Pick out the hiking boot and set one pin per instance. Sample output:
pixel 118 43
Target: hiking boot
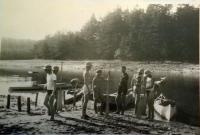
pixel 49 113
pixel 52 119
pixel 151 119
pixel 117 112
pixel 147 118
pixel 101 113
pixel 85 117
pixel 95 112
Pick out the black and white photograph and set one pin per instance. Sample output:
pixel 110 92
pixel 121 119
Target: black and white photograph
pixel 99 67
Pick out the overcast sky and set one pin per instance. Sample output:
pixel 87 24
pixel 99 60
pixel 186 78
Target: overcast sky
pixel 34 19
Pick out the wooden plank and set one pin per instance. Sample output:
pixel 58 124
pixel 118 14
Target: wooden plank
pixel 36 99
pixel 8 102
pixel 19 103
pixel 38 88
pixel 28 105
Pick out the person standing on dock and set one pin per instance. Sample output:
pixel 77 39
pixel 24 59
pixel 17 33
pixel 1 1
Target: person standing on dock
pixel 122 91
pixel 138 93
pixel 149 93
pixel 54 96
pixel 87 89
pixel 50 86
pixel 59 92
pixel 97 86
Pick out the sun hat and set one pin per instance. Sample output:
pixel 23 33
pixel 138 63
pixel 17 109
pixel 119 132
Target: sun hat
pixel 55 68
pixel 47 67
pixel 99 71
pixel 147 72
pixel 88 64
pixel 124 67
pixel 141 71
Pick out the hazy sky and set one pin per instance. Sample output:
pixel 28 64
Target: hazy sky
pixel 34 19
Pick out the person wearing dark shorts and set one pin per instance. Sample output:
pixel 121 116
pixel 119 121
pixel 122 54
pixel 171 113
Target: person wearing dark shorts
pixel 149 93
pixel 140 103
pixel 97 86
pixel 87 89
pixel 54 96
pixel 49 86
pixel 122 91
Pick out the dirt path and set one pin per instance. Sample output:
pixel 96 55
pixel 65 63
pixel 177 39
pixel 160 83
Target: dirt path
pixel 13 122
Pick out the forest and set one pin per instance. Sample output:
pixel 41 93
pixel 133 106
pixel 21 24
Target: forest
pixel 155 34
pixel 15 49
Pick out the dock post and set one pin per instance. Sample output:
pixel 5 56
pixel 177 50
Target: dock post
pixel 28 105
pixel 8 102
pixel 36 99
pixel 63 98
pixel 19 103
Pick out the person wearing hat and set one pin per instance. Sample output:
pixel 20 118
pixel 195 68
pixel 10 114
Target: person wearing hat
pixel 50 86
pixel 138 93
pixel 154 92
pixel 97 86
pixel 59 93
pixel 149 93
pixel 87 87
pixel 55 95
pixel 122 91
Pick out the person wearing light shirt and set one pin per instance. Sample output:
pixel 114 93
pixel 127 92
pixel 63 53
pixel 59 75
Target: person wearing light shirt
pixel 87 89
pixel 97 87
pixel 149 86
pixel 50 86
pixel 54 96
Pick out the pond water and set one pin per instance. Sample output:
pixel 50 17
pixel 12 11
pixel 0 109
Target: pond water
pixel 18 81
pixel 182 85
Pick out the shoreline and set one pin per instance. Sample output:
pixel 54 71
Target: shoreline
pixel 38 63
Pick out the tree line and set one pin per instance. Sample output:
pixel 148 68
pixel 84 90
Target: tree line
pixel 13 49
pixel 157 33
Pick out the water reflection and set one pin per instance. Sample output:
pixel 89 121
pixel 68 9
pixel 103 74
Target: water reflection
pixel 183 87
pixel 18 81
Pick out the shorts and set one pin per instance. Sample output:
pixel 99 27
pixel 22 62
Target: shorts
pixel 49 92
pixel 86 90
pixel 97 94
pixel 124 92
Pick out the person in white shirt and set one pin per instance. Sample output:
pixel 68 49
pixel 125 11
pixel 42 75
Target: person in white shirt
pixel 140 103
pixel 54 96
pixel 87 89
pixel 50 86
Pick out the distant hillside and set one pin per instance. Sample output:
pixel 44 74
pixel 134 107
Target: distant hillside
pixel 16 48
pixel 154 34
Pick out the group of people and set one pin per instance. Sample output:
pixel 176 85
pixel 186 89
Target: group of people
pixel 50 99
pixel 143 86
pixel 145 93
pixel 96 86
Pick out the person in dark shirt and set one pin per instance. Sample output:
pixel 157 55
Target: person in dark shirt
pixel 122 91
